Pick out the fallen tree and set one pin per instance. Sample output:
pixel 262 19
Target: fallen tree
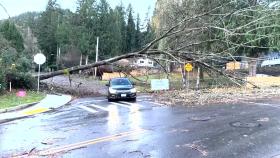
pixel 144 52
pixel 185 43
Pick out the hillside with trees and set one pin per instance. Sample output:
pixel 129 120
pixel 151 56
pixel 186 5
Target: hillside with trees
pixel 69 38
pixel 58 32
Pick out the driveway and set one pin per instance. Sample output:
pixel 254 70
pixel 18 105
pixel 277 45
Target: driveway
pixel 93 127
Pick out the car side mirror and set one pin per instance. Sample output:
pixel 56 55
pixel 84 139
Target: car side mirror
pixel 133 84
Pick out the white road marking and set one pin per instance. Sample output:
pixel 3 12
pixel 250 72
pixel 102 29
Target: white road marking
pixel 98 107
pixel 84 102
pixel 88 109
pixel 132 104
pixel 156 103
pixel 100 100
pixel 122 105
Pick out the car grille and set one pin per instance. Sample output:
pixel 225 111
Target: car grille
pixel 123 91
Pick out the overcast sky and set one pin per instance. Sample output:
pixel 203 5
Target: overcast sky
pixel 16 7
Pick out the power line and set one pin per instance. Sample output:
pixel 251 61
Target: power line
pixel 5 9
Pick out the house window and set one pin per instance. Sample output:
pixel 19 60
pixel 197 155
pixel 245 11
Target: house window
pixel 141 62
pixel 150 63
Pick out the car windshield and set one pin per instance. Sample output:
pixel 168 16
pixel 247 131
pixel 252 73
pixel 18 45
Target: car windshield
pixel 117 82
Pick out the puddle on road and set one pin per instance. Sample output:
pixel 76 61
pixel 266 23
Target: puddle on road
pixel 245 124
pixel 201 118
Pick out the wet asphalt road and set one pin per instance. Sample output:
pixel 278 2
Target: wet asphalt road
pixel 92 127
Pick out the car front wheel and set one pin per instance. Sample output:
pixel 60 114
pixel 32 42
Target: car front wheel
pixel 110 100
pixel 133 99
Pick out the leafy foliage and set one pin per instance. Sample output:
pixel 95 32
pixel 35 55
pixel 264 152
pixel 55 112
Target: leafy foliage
pixel 11 33
pixel 21 80
pixel 14 61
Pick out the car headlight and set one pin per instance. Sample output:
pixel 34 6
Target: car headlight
pixel 112 91
pixel 133 90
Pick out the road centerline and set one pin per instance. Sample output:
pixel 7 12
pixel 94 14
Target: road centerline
pixel 89 142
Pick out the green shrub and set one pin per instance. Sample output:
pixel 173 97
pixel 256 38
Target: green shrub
pixel 21 80
pixel 23 64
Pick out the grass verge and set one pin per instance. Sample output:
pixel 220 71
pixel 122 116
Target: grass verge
pixel 10 99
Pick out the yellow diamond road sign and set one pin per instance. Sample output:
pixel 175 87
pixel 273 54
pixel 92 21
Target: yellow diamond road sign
pixel 188 67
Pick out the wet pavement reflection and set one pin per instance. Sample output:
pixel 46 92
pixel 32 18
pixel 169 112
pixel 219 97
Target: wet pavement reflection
pixel 93 127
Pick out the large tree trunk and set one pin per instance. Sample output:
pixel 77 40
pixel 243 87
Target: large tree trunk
pixel 252 68
pixel 99 63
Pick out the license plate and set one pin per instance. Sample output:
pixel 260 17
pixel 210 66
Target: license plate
pixel 123 95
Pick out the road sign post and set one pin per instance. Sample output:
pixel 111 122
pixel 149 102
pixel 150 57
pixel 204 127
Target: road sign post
pixel 188 68
pixel 39 59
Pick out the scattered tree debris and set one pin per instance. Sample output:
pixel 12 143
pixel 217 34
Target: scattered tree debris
pixel 214 96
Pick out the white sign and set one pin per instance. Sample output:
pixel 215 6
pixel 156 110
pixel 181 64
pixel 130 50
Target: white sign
pixel 159 84
pixel 39 58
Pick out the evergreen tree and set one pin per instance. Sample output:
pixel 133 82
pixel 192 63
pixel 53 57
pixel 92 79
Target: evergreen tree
pixel 121 24
pixel 138 34
pixel 4 43
pixel 130 30
pixel 148 34
pixel 64 28
pixel 104 28
pixel 11 33
pixel 115 33
pixel 86 26
pixel 47 40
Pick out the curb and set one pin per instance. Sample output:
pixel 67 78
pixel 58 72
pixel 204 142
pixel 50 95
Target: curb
pixel 12 119
pixel 20 107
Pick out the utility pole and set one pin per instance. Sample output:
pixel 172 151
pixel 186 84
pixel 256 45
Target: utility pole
pixel 58 48
pixel 96 55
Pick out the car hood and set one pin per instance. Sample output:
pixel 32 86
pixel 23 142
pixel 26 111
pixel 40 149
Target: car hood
pixel 122 87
